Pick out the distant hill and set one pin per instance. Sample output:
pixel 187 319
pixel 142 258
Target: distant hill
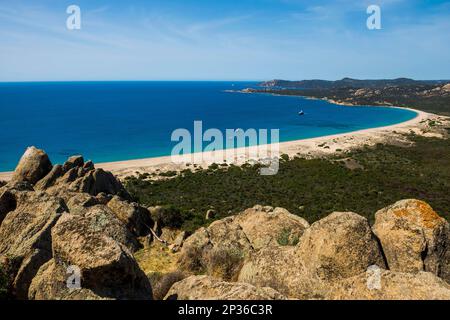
pixel 426 95
pixel 348 83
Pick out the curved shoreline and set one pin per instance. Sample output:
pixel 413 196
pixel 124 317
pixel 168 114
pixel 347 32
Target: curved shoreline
pixel 310 147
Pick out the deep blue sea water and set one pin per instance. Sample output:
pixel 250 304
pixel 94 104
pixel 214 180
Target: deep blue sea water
pixel 111 121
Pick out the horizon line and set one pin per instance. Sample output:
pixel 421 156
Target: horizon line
pixel 214 80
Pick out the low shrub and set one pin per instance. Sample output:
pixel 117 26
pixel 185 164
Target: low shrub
pixel 168 216
pixel 213 166
pixel 286 238
pixel 224 263
pixel 193 259
pixel 168 174
pixel 319 186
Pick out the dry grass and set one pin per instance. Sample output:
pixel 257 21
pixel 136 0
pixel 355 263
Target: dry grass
pixel 193 259
pixel 156 258
pixel 224 263
pixel 160 265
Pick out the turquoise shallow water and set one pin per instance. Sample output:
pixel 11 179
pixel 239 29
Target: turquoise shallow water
pixel 112 121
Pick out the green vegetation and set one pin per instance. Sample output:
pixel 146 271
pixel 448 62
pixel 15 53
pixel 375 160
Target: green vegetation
pixel 405 96
pixel 362 181
pixel 284 238
pixel 168 174
pixel 169 216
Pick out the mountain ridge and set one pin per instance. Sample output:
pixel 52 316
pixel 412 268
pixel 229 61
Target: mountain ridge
pixel 347 83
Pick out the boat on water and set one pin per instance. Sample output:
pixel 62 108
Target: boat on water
pixel 301 113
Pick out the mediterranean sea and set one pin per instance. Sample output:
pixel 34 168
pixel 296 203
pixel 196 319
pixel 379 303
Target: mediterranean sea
pixel 114 121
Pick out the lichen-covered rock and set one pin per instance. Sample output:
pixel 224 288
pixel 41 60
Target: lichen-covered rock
pixel 390 285
pixel 98 180
pixel 221 248
pixel 107 268
pixel 51 177
pixel 73 162
pixel 103 198
pixel 17 186
pixel 50 283
pixel 282 269
pixel 336 247
pixel 208 288
pixel 79 202
pixel 90 181
pixel 6 277
pixel 339 246
pixel 102 219
pixel 76 176
pixel 264 226
pixel 136 218
pixel 25 236
pixel 90 235
pixel 69 176
pixel 33 166
pixel 414 238
pixel 218 250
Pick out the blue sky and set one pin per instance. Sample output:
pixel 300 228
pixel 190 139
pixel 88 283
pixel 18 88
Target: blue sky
pixel 223 40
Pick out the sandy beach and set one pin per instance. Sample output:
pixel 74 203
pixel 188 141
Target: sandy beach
pixel 313 147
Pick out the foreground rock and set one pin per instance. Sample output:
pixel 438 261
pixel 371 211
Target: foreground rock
pixel 101 218
pixel 50 283
pixel 208 288
pixel 414 238
pixel 25 236
pixel 339 246
pixel 218 250
pixel 91 181
pixel 136 218
pixel 33 166
pixel 77 176
pixel 266 226
pixel 57 218
pixel 107 268
pixel 73 162
pixel 281 269
pixel 48 180
pixel 391 285
pixel 336 247
pixel 221 248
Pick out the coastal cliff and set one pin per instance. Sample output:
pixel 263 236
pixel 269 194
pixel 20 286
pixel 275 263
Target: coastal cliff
pixel 55 218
